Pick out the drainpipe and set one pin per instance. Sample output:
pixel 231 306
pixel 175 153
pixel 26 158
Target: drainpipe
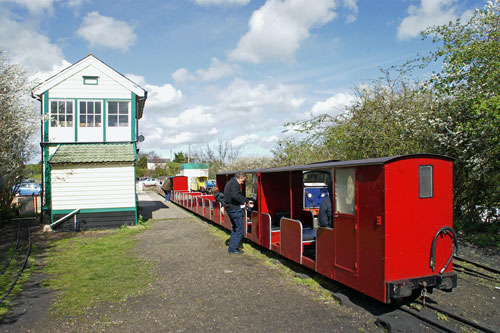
pixel 42 199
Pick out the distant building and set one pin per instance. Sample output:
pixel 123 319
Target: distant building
pixel 157 163
pixel 197 174
pixel 88 145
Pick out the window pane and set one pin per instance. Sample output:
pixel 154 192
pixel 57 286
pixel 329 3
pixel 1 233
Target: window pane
pixel 112 108
pixel 97 107
pixel 425 187
pixel 345 196
pixel 61 108
pixel 90 121
pixel 69 121
pixel 112 121
pixel 53 121
pixel 123 121
pixel 69 107
pixel 53 107
pixel 82 120
pixel 98 121
pixel 123 107
pixel 83 108
pixel 90 107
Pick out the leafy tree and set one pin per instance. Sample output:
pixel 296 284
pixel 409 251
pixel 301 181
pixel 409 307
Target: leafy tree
pixel 142 163
pixel 180 157
pixel 18 123
pixel 468 120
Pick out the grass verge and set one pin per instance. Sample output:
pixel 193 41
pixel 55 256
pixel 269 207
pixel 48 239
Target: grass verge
pixel 8 277
pixel 96 267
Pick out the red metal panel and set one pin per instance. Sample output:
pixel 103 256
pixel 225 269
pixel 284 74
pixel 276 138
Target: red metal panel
pixel 324 251
pixel 291 239
pixel 254 235
pixel 179 183
pixel 308 262
pixel 265 233
pixel 207 208
pixel 411 222
pixel 226 223
pixel 346 243
pixel 217 212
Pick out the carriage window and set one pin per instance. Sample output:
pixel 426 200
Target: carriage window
pixel 425 185
pixel 345 196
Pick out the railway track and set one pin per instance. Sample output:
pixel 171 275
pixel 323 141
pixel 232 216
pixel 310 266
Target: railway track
pixel 430 316
pixel 15 250
pixel 476 269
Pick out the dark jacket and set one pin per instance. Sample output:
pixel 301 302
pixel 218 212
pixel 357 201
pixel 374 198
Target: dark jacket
pixel 233 198
pixel 325 213
pixel 167 185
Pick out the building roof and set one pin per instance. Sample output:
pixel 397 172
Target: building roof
pixel 91 60
pixel 338 164
pixel 93 153
pixel 185 166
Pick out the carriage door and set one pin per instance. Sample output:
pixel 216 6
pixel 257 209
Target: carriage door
pixel 345 220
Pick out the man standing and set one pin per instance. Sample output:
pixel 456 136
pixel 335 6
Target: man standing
pixel 235 201
pixel 167 188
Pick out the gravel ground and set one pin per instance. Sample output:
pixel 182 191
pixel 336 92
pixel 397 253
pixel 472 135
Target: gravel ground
pixel 202 288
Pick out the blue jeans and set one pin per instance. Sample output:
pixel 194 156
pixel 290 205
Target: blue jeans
pixel 167 196
pixel 236 217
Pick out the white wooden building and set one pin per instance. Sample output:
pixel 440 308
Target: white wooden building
pixel 89 138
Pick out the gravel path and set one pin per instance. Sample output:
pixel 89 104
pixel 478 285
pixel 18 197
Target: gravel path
pixel 200 287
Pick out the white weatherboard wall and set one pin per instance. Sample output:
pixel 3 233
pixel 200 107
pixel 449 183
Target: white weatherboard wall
pixel 92 186
pixel 73 89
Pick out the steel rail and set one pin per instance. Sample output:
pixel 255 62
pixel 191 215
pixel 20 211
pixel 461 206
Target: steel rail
pixel 458 318
pixel 14 249
pixel 473 272
pixel 28 252
pixel 483 266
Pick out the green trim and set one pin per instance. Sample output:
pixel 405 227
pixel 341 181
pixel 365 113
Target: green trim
pixel 48 184
pixel 135 187
pixel 88 80
pixel 133 116
pixel 76 119
pixel 46 112
pixel 94 210
pixel 104 118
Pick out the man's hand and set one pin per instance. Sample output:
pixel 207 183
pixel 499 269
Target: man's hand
pixel 250 204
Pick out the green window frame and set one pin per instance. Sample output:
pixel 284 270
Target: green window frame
pixel 91 80
pixel 61 113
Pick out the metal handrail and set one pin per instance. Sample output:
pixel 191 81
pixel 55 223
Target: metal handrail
pixel 64 218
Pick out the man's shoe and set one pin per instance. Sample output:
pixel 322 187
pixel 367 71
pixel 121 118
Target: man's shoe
pixel 236 252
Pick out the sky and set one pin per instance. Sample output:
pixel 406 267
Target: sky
pixel 230 70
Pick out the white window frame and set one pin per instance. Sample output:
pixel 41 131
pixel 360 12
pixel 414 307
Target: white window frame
pixel 120 115
pixel 86 115
pixel 55 117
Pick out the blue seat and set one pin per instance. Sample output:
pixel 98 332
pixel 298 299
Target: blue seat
pixel 308 235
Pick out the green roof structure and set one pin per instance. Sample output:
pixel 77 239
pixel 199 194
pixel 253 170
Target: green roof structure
pixel 93 153
pixel 185 166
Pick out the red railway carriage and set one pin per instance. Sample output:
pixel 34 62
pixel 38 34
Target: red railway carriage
pixel 391 231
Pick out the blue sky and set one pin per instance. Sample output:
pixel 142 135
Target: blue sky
pixel 235 70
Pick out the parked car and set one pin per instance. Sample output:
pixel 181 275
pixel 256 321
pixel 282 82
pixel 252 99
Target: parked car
pixel 147 181
pixel 29 189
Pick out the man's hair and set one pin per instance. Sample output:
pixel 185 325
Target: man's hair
pixel 240 175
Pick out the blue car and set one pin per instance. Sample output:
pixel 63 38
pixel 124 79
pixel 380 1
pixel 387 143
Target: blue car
pixel 29 189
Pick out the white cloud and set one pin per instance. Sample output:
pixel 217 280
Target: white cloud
pixel 76 3
pixel 217 70
pixel 352 8
pixel 242 95
pixel 182 75
pixel 33 6
pixel 277 29
pixel 244 139
pixel 427 14
pixel 334 105
pixel 222 2
pixel 106 31
pixel 28 45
